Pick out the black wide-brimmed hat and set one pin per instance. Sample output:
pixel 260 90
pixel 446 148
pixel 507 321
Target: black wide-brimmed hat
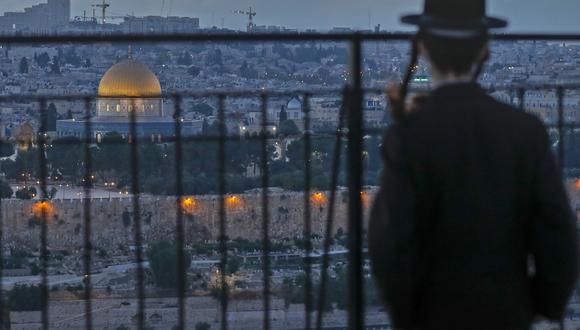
pixel 455 18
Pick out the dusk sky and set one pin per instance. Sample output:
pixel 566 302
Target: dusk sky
pixel 525 15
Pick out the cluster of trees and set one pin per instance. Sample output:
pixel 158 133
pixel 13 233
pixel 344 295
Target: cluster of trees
pixel 201 174
pixel 214 57
pixel 336 297
pixel 310 53
pixel 248 72
pixel 5 190
pixel 185 59
pixel 24 298
pixel 163 261
pixel 44 61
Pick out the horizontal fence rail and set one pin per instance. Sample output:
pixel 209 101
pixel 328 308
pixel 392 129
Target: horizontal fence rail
pixel 350 132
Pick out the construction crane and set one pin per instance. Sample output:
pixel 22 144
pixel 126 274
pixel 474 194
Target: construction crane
pixel 84 18
pixel 103 7
pixel 251 13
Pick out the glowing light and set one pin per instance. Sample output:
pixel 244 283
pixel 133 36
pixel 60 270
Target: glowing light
pixel 365 198
pixel 319 199
pixel 234 203
pixel 577 185
pixel 43 210
pixel 189 205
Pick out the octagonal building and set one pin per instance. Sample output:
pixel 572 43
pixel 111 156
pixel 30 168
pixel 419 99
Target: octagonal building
pixel 129 88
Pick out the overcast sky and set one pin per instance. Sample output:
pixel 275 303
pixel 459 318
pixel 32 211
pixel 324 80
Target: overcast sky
pixel 525 15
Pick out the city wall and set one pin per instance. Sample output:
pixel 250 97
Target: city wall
pixel 112 220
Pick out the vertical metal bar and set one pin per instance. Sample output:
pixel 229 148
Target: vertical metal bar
pixel 355 161
pixel 307 216
pixel 222 212
pixel 265 214
pixel 330 214
pixel 2 305
pixel 140 287
pixel 44 216
pixel 561 145
pixel 181 275
pixel 522 98
pixel 88 248
pixel 2 320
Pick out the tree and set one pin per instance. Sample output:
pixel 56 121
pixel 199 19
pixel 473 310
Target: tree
pixel 52 193
pixel 55 66
pixel 162 58
pixel 204 127
pixel 26 193
pixel 194 71
pixel 66 155
pixel 126 218
pixel 234 264
pixel 6 149
pixel 203 108
pixel 113 146
pixel 24 298
pixel 215 57
pixel 288 127
pixel 51 117
pixel 5 190
pixel 23 67
pixel 283 115
pixel 163 261
pixel 71 57
pixel 248 72
pixel 185 59
pixel 43 60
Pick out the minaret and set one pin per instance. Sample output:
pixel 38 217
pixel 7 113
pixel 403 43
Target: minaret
pixel 130 52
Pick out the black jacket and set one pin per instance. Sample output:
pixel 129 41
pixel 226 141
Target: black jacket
pixel 471 195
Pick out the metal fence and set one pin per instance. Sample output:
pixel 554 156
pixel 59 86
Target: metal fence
pixel 350 130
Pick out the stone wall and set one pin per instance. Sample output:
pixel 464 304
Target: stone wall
pixel 112 220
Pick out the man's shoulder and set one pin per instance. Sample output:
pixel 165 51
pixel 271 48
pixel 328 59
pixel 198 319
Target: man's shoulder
pixel 513 115
pixel 493 111
pixel 418 131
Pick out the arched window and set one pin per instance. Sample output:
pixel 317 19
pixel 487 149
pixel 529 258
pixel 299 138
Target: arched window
pixel 118 108
pixel 108 107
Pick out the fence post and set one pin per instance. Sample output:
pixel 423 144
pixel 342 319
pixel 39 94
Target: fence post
pixel 355 140
pixel 561 133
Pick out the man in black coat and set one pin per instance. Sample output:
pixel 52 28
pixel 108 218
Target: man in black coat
pixel 472 228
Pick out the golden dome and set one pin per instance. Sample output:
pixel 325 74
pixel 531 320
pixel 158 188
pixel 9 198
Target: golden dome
pixel 129 78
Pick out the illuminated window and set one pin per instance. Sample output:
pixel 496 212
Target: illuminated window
pixel 118 108
pixel 108 107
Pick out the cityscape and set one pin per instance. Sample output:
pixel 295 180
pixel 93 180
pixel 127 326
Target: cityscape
pixel 166 145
